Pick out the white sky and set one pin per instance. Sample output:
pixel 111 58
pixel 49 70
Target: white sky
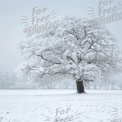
pixel 11 28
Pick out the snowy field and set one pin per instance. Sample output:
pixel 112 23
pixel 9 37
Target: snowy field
pixel 60 106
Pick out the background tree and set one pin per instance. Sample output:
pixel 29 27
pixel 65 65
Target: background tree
pixel 82 49
pixel 7 80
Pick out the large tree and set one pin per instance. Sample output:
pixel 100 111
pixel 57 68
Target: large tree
pixel 82 49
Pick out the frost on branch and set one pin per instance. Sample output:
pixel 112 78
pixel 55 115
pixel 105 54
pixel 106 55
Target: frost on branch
pixel 75 47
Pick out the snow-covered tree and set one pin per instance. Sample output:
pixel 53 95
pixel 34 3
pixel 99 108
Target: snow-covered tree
pixel 82 49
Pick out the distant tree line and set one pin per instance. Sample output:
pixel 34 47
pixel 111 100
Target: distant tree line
pixel 10 81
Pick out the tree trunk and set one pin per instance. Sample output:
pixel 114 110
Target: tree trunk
pixel 80 86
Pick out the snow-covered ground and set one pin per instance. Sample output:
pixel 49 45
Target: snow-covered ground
pixel 60 106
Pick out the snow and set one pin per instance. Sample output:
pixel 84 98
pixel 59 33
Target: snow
pixel 60 106
pixel 74 47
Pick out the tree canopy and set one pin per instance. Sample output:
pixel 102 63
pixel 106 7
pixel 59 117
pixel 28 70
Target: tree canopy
pixel 82 49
